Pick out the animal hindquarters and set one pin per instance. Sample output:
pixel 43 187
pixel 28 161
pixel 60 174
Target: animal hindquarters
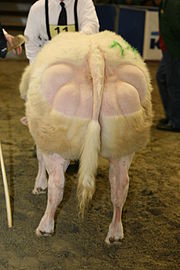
pixel 59 110
pixel 126 114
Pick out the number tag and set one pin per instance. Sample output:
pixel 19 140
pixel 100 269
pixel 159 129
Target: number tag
pixel 56 29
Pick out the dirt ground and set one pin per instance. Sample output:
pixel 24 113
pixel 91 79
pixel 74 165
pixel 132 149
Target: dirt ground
pixel 151 215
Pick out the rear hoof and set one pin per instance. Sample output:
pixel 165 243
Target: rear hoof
pixel 113 240
pixel 40 233
pixel 37 191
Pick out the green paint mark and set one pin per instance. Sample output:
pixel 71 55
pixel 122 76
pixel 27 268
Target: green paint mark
pixel 116 44
pixel 129 47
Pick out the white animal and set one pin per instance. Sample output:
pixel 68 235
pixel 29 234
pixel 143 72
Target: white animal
pixel 87 95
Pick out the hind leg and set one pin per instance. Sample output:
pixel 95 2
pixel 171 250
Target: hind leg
pixel 55 166
pixel 119 181
pixel 41 178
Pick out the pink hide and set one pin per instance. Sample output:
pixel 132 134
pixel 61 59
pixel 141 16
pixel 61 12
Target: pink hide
pixel 69 91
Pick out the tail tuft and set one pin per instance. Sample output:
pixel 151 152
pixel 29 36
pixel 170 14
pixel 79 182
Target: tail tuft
pixel 88 165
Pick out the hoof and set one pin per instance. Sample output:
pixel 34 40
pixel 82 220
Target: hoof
pixel 113 240
pixel 40 233
pixel 38 191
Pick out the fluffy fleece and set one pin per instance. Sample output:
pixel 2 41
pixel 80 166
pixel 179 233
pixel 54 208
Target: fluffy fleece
pixel 55 132
pixel 69 136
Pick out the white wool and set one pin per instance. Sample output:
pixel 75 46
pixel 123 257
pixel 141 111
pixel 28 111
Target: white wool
pixel 74 137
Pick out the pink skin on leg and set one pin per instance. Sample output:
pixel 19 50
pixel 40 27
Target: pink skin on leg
pixel 55 166
pixel 119 180
pixel 41 178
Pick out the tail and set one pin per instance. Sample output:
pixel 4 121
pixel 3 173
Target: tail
pixel 24 84
pixel 91 146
